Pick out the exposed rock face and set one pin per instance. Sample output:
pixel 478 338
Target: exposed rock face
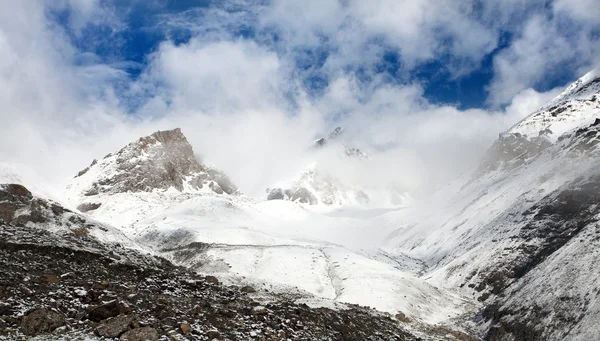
pixel 19 207
pixel 115 326
pixel 333 135
pixel 521 235
pixel 169 296
pixel 302 195
pixel 141 334
pixel 160 161
pixel 88 206
pixel 513 150
pixel 41 321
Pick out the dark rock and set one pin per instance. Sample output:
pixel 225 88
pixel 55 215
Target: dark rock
pixel 107 310
pixel 213 334
pixel 275 194
pixel 212 280
pixel 50 279
pixel 88 206
pixel 215 187
pixel 248 289
pixel 402 317
pixel 140 334
pixel 41 321
pixel 304 196
pixel 115 326
pixel 12 198
pixel 6 309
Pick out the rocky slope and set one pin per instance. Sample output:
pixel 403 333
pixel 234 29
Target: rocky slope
pixel 61 282
pixel 521 234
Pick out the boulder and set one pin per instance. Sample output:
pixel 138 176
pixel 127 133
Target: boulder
pixel 140 334
pixel 41 321
pixel 115 326
pixel 110 309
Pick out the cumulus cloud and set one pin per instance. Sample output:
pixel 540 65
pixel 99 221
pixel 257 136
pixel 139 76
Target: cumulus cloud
pixel 546 46
pixel 243 101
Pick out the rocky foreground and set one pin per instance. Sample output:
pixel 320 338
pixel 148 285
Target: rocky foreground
pixel 69 292
pixel 60 282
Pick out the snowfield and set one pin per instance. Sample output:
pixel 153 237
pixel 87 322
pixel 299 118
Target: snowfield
pixel 290 246
pixel 508 252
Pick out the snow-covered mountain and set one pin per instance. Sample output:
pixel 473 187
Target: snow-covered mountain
pixel 507 252
pixel 145 176
pixel 323 183
pixel 160 196
pixel 521 233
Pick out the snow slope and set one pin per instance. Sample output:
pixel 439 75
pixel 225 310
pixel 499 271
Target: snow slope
pixel 513 234
pixel 323 253
pixel 286 245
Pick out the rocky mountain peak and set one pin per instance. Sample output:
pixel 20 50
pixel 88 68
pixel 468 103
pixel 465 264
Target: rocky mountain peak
pixel 575 110
pixel 162 160
pixel 334 134
pixel 169 136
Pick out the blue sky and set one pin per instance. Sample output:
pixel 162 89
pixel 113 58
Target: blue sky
pixel 427 84
pixel 144 25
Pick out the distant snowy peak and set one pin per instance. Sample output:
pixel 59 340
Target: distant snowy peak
pixel 315 185
pixel 334 136
pixel 576 109
pixel 161 161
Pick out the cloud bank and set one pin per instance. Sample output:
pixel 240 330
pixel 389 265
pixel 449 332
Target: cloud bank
pixel 253 85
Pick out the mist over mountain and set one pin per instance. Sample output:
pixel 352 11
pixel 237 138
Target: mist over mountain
pixel 277 170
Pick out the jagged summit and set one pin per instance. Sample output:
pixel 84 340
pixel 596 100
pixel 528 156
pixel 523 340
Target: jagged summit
pixel 162 160
pixel 317 185
pixel 576 107
pixel 334 135
pixel 574 111
pixel 337 132
pixel 153 172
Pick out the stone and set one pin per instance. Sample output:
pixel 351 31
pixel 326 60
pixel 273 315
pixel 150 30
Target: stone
pixel 402 317
pixel 88 206
pixel 101 285
pixel 304 196
pixel 275 194
pixel 107 310
pixel 140 334
pixel 185 328
pixel 213 334
pixel 212 280
pixel 259 310
pixel 25 290
pixel 50 279
pixel 41 321
pixel 115 326
pixel 248 289
pixel 6 309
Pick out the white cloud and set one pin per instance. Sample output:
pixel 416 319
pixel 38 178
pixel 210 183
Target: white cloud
pixel 545 47
pixel 241 103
